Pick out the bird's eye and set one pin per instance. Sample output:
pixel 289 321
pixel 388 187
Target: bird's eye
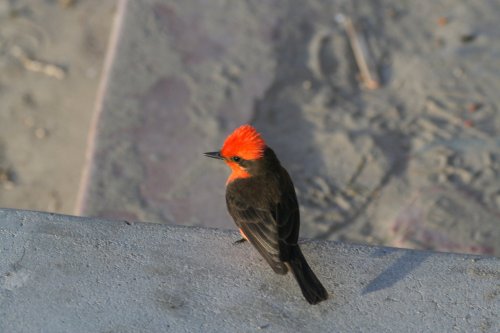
pixel 236 159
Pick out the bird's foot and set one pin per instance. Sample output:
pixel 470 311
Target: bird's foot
pixel 240 241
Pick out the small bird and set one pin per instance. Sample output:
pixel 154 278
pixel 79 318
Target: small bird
pixel 261 199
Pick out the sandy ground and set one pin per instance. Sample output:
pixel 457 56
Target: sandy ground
pixel 51 54
pixel 415 163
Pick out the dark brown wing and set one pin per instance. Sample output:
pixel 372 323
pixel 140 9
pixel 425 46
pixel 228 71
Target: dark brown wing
pixel 287 216
pixel 266 210
pixel 259 227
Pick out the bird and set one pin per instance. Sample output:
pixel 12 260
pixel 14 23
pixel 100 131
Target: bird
pixel 261 199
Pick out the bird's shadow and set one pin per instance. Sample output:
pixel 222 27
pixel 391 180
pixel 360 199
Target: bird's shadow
pixel 397 271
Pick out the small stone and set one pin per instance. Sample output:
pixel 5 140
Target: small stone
pixel 5 175
pixel 468 123
pixel 442 21
pixel 7 178
pixel 41 133
pixel 66 3
pixel 467 38
pixel 391 12
pixel 473 107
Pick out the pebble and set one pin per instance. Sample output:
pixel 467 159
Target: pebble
pixel 41 133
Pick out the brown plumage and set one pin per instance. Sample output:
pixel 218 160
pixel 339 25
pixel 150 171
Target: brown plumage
pixel 261 199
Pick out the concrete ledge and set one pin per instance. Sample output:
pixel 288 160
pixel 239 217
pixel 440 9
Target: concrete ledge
pixel 68 274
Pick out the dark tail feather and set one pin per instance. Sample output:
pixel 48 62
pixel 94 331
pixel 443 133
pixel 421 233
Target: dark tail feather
pixel 312 289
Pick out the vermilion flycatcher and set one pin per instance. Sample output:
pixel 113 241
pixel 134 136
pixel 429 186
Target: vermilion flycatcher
pixel 261 199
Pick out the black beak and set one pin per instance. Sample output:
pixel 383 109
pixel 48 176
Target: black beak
pixel 215 154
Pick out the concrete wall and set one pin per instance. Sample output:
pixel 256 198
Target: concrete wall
pixel 69 274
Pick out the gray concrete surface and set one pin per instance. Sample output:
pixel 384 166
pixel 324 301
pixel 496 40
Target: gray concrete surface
pixel 70 274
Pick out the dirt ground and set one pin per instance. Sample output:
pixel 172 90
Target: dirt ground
pixel 51 53
pixel 413 164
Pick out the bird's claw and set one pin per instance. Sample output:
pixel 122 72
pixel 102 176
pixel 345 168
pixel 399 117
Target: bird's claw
pixel 240 241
